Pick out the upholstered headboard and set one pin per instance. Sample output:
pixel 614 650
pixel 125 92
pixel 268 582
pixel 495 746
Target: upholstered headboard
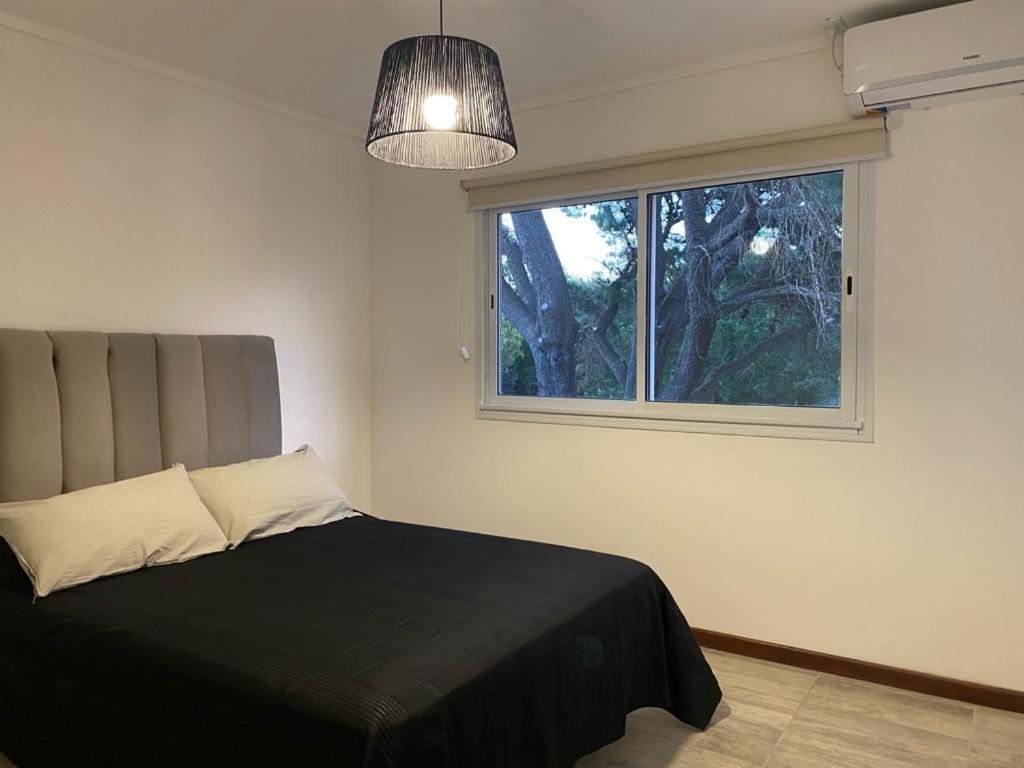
pixel 80 408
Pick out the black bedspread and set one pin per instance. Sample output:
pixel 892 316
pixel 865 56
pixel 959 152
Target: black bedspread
pixel 361 643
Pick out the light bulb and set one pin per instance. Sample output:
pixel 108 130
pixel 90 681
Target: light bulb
pixel 441 111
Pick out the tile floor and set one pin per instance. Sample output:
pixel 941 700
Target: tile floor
pixel 781 717
pixel 774 716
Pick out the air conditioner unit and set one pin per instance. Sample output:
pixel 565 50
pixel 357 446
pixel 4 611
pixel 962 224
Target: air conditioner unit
pixel 966 51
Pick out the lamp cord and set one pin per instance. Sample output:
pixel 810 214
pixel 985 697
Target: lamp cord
pixel 441 8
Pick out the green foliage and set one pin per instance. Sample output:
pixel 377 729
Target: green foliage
pixel 804 372
pixel 518 375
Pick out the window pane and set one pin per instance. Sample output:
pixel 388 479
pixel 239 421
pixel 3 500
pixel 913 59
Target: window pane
pixel 745 293
pixel 567 301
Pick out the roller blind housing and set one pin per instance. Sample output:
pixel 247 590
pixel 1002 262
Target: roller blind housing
pixel 846 142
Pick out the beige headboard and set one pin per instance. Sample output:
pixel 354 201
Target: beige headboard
pixel 80 408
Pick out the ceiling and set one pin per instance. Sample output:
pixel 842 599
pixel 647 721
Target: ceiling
pixel 321 56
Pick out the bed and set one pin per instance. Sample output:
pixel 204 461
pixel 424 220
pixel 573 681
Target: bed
pixel 363 642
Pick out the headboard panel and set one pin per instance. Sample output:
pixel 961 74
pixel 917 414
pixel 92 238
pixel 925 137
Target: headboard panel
pixel 30 452
pixel 81 408
pixel 135 407
pixel 86 415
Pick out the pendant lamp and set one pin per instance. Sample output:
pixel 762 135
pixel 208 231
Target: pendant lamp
pixel 441 104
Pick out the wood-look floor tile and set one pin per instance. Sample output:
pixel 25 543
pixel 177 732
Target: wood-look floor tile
pixel 1000 720
pixel 986 756
pixel 999 729
pixel 740 734
pixel 748 732
pixel 617 756
pixel 997 738
pixel 760 683
pixel 827 738
pixel 657 734
pixel 878 702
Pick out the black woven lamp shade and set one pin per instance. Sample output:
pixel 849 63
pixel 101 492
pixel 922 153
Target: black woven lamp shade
pixel 441 104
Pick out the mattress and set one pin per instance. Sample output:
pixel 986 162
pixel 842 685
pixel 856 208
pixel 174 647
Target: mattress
pixel 360 643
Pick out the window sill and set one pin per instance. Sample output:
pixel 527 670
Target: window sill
pixel 809 429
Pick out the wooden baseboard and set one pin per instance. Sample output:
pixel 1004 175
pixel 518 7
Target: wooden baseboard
pixel 908 680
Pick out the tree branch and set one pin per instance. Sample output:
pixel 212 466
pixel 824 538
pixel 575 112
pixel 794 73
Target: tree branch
pixel 514 308
pixel 732 238
pixel 618 367
pixel 737 301
pixel 705 393
pixel 514 253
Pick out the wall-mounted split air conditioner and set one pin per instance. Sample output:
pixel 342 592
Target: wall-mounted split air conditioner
pixel 966 51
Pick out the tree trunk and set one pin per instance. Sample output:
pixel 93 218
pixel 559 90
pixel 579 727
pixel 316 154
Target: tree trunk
pixel 552 339
pixel 700 303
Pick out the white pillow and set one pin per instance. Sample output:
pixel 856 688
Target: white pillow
pixel 265 497
pixel 109 529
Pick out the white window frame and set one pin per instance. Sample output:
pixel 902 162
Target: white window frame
pixel 851 421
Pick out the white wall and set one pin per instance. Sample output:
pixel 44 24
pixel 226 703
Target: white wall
pixel 906 551
pixel 132 201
